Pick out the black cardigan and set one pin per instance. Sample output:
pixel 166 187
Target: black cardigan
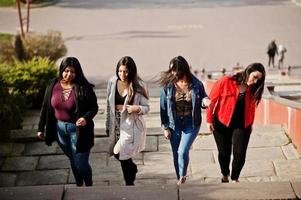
pixel 86 107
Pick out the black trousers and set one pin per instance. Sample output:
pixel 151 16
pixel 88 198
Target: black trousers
pixel 228 139
pixel 129 170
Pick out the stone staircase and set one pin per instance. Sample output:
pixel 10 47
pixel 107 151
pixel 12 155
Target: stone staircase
pixel 28 166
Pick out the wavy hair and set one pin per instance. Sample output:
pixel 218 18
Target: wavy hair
pixel 178 68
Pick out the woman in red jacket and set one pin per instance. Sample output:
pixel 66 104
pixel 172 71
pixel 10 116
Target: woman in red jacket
pixel 231 114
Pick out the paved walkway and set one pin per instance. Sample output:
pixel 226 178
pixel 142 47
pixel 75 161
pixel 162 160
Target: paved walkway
pixel 272 163
pixel 210 37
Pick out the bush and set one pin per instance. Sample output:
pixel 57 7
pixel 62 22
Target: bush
pixel 33 45
pixel 7 50
pixel 30 79
pixel 11 109
pixel 50 45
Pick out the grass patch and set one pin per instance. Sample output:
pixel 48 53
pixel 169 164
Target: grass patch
pixel 5 37
pixel 7 2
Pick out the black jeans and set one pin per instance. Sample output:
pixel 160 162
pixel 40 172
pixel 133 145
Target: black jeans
pixel 226 139
pixel 129 169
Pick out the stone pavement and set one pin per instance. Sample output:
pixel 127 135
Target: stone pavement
pixel 272 169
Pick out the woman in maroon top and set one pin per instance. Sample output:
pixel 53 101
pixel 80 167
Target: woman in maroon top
pixel 231 114
pixel 67 111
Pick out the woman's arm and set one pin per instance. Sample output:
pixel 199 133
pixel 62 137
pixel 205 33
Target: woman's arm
pixel 214 97
pixel 108 116
pixel 163 109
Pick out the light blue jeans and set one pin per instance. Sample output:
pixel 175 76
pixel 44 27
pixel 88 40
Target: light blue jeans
pixel 67 139
pixel 181 140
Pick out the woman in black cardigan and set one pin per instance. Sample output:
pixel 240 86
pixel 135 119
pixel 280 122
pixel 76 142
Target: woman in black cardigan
pixel 67 113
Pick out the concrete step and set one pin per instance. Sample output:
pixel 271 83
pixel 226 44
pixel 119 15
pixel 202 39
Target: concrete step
pixel 260 190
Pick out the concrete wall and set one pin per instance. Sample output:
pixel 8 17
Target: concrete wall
pixel 276 110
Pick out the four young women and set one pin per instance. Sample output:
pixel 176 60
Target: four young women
pixel 70 104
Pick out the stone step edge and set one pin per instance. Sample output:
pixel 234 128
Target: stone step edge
pixel 259 190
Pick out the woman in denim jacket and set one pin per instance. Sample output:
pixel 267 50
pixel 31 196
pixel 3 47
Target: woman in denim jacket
pixel 181 98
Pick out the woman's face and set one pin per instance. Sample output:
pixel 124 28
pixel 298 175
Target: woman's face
pixel 68 74
pixel 123 73
pixel 254 77
pixel 182 82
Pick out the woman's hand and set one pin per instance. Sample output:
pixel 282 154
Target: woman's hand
pixel 133 108
pixel 206 102
pixel 81 122
pixel 210 127
pixel 167 134
pixel 41 135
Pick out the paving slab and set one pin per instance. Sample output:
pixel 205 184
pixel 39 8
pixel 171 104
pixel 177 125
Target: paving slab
pixel 6 149
pixel 267 154
pixel 40 148
pixel 7 179
pixel 257 168
pixel 157 165
pixel 100 145
pixel 98 160
pixel 151 143
pixel 18 149
pixel 243 190
pixel 24 163
pixel 43 177
pixel 22 135
pixel 290 152
pixel 99 130
pixel 199 158
pixel 208 170
pixel 122 192
pixel 297 188
pixel 53 162
pixel 268 136
pixel 49 192
pixel 288 169
pixel 164 144
pixel 204 142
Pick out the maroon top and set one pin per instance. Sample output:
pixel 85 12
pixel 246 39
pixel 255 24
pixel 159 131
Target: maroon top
pixel 63 107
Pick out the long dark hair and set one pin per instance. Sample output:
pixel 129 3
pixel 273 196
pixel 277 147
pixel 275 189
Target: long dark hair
pixel 178 68
pixel 135 82
pixel 258 87
pixel 80 78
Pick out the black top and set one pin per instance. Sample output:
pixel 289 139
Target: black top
pixel 238 117
pixel 119 100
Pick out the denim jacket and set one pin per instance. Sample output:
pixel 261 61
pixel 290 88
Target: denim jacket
pixel 167 104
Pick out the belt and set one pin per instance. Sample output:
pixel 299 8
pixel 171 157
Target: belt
pixel 183 114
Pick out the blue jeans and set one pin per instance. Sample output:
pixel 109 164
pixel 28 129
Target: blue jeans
pixel 67 139
pixel 181 140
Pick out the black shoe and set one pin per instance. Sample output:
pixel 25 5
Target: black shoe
pixel 225 180
pixel 129 184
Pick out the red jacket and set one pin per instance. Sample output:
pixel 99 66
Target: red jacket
pixel 223 98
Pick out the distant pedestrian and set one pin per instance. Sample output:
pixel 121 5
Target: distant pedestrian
pixel 181 98
pixel 127 102
pixel 67 115
pixel 231 114
pixel 281 51
pixel 272 51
